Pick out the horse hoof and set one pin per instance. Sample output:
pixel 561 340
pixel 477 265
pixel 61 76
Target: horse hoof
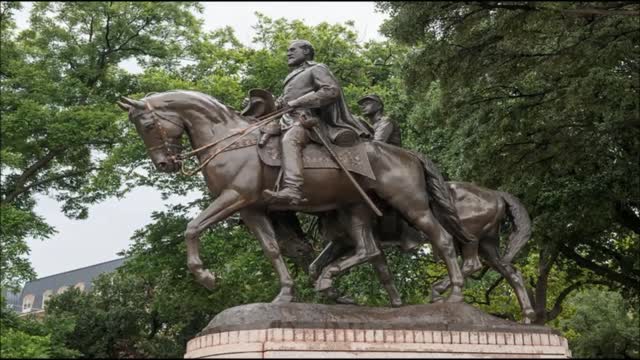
pixel 455 298
pixel 313 273
pixel 282 299
pixel 323 284
pixel 529 317
pixel 346 300
pixel 396 303
pixel 207 279
pixel 437 300
pixel 285 296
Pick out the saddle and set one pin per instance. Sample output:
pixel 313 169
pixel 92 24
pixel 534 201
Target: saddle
pixel 316 156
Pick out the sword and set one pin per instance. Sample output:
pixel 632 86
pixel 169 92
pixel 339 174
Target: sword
pixel 353 181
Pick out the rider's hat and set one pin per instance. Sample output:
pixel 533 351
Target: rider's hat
pixel 260 102
pixel 373 97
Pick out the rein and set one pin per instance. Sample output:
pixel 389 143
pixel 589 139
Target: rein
pixel 242 132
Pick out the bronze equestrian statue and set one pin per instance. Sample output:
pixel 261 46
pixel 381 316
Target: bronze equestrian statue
pixel 238 178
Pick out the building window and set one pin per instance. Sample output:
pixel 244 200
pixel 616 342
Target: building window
pixel 79 286
pixel 62 289
pixel 45 297
pixel 27 302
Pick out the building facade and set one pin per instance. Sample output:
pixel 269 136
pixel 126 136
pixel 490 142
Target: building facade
pixel 34 295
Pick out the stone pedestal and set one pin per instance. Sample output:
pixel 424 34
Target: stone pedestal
pixel 344 331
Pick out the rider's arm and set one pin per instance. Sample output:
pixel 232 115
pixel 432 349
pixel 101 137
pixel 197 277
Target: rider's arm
pixel 327 89
pixel 383 131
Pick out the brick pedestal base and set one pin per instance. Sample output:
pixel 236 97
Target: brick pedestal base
pixel 361 334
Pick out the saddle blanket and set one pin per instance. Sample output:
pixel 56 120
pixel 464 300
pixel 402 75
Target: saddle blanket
pixel 316 156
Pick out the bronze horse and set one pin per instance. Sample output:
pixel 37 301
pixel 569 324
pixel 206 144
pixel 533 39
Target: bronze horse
pixel 482 211
pixel 237 179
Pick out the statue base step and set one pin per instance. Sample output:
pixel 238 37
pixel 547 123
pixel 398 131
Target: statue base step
pixel 298 330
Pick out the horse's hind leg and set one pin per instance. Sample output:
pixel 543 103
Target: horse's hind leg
pixel 260 225
pixel 329 254
pixel 386 278
pixel 415 208
pixel 489 250
pixel 357 221
pixel 441 286
pixel 337 243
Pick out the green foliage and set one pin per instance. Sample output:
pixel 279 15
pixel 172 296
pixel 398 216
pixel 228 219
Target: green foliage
pixel 16 226
pixel 17 344
pixel 113 321
pixel 540 100
pixel 59 81
pixel 27 337
pixel 603 325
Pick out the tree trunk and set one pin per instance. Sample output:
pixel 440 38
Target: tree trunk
pixel 548 256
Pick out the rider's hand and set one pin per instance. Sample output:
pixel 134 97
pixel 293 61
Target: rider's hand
pixel 291 104
pixel 308 123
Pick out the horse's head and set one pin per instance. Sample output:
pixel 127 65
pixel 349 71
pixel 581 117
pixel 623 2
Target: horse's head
pixel 160 130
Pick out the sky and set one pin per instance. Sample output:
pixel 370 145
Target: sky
pixel 110 225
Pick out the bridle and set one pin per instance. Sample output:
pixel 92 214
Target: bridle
pixel 166 144
pixel 179 157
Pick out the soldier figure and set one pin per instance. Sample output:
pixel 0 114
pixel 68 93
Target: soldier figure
pixel 385 129
pixel 317 100
pixel 393 226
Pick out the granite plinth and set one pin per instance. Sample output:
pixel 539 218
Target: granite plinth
pixel 265 330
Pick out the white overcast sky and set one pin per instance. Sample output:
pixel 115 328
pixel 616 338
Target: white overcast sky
pixel 80 243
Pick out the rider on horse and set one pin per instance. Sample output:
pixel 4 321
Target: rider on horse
pixel 386 130
pixel 317 100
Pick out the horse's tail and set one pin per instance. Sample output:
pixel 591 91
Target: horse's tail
pixel 442 203
pixel 522 223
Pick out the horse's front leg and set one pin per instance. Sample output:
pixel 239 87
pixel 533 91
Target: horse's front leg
pixel 222 207
pixel 260 225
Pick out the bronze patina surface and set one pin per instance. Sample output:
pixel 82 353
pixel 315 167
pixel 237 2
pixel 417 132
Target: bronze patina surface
pixel 441 316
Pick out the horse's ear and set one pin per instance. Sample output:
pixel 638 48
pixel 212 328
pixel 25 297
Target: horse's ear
pixel 135 103
pixel 123 106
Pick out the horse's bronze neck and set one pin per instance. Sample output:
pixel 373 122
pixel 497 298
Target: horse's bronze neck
pixel 212 125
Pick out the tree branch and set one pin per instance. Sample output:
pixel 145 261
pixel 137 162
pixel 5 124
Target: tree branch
pixel 146 23
pixel 601 12
pixel 576 12
pixel 57 177
pixel 493 286
pixel 28 173
pixel 599 269
pixel 627 216
pixel 557 306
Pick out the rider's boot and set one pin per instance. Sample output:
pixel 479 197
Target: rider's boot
pixel 293 142
pixel 263 139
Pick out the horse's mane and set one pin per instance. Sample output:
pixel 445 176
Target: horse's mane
pixel 203 103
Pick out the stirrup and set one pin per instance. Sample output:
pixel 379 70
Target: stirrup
pixel 277 197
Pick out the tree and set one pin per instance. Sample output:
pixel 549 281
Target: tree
pixel 546 90
pixel 26 337
pixel 603 325
pixel 59 81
